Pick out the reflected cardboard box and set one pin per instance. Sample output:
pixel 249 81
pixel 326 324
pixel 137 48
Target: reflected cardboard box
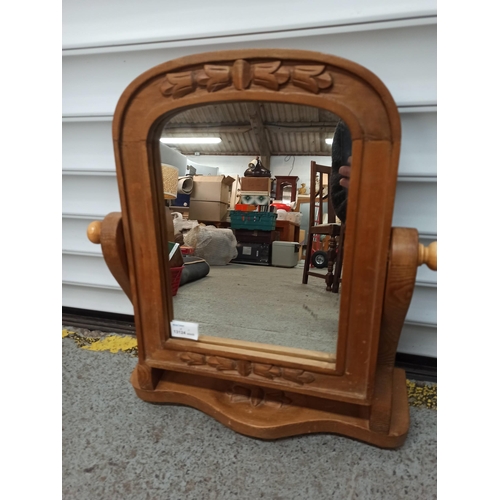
pixel 256 184
pixel 208 210
pixel 214 188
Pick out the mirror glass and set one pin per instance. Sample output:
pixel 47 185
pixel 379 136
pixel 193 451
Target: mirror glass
pixel 254 288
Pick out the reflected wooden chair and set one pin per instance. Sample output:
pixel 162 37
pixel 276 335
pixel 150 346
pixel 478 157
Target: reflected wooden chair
pixel 320 182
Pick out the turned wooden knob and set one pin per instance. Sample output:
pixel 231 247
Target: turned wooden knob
pixel 94 231
pixel 428 255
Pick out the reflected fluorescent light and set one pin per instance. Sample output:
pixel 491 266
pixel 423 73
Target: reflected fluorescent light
pixel 190 140
pixel 329 141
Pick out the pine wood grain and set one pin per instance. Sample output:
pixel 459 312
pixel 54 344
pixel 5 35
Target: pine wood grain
pixel 253 389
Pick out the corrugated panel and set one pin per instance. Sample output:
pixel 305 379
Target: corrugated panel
pixel 81 296
pixel 403 58
pixel 91 24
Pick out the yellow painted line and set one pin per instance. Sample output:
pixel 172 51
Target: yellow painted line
pixel 113 344
pixel 422 395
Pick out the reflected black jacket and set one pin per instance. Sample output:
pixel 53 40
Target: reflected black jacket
pixel 341 150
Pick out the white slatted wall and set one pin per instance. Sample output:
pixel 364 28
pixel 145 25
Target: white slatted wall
pixel 108 44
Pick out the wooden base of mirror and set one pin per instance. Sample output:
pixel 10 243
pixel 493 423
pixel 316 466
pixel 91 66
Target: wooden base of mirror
pixel 272 414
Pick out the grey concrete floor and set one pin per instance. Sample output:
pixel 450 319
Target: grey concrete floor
pixel 116 446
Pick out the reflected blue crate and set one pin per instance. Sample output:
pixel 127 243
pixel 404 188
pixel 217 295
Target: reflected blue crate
pixel 182 200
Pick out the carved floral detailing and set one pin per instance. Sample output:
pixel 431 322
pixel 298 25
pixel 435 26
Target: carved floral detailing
pixel 256 396
pixel 312 78
pixel 271 75
pixel 242 74
pixel 193 358
pixel 245 368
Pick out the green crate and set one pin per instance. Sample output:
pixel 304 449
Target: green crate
pixel 264 221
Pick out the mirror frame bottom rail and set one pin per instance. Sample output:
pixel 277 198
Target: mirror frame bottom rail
pixel 246 369
pixel 271 413
pixel 253 352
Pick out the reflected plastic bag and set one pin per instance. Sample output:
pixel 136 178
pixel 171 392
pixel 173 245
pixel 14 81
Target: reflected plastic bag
pixel 216 246
pixel 182 227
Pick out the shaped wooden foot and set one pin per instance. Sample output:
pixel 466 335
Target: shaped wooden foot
pixel 271 414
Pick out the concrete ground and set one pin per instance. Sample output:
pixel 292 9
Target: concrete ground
pixel 115 446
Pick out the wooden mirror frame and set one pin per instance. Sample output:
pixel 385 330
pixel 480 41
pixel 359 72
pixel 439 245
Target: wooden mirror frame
pixel 262 390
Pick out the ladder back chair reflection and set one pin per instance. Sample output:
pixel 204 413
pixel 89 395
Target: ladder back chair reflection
pixel 320 182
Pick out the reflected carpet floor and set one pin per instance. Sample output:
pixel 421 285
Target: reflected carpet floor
pixel 262 304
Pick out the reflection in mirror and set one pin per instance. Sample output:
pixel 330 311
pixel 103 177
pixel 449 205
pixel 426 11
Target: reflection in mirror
pixel 255 244
pixel 287 194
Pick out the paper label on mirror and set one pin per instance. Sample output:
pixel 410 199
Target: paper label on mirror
pixel 184 330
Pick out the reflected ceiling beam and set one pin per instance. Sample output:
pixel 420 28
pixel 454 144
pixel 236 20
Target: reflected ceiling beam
pixel 259 130
pixel 245 128
pixel 201 152
pixel 208 128
pixel 325 128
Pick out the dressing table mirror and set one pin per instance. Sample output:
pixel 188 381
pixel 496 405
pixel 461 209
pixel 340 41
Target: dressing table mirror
pixel 267 390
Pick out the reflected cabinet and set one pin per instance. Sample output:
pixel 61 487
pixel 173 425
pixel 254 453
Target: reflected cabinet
pixel 264 389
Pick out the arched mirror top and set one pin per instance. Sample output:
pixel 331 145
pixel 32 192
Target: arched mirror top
pixel 302 77
pixel 332 83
